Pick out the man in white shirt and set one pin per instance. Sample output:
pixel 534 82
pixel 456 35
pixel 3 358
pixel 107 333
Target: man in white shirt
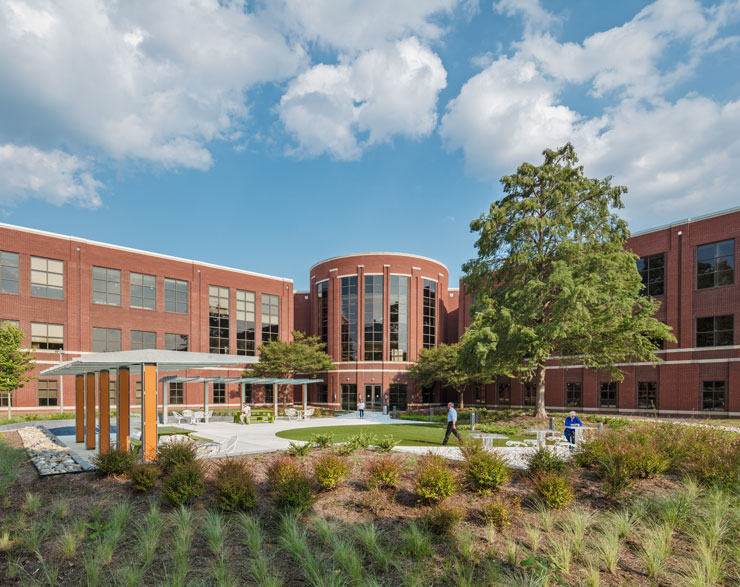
pixel 246 412
pixel 452 424
pixel 361 408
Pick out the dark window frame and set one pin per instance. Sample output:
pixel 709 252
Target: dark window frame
pixel 246 323
pixel 176 344
pixel 652 272
pixel 9 272
pixel 709 256
pixel 714 388
pixel 610 390
pixel 46 342
pixel 176 295
pixel 398 323
pixel 270 310
pixel 349 318
pixel 107 340
pixel 722 331
pixel 177 393
pixel 219 393
pixel 429 313
pixel 644 389
pixel 106 286
pixel 373 318
pixel 573 389
pixel 46 385
pixel 219 318
pixel 399 391
pixel 142 295
pixel 322 307
pixel 140 339
pixel 42 290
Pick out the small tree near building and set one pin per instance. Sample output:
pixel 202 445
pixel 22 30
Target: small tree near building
pixel 14 361
pixel 552 278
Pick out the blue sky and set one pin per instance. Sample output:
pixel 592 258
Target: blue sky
pixel 270 135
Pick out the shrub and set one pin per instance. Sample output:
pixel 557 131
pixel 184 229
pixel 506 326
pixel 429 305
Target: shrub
pixel 299 450
pixel 292 488
pixel 184 483
pixel 143 476
pixel 383 472
pixel 434 479
pixel 617 471
pixel 345 449
pixel 545 461
pixel 330 471
pixel 176 453
pixel 499 511
pixel 323 440
pixel 235 488
pixel 486 471
pixel 386 443
pixel 443 519
pixel 362 440
pixel 116 462
pixel 554 489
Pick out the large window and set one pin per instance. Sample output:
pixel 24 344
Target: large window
pixel 373 317
pixel 504 394
pixel 8 272
pixel 608 394
pixel 573 396
pixel 349 318
pixel 530 394
pixel 176 342
pixel 245 323
pixel 429 314
pixel 714 331
pixel 143 340
pixel 349 396
pixel 322 393
pixel 218 319
pixel 269 394
pixel 399 317
pixel 248 393
pixel 106 340
pixel 715 264
pixel 652 271
pixel 175 296
pixel 398 396
pixel 713 396
pixel 177 392
pixel 647 395
pixel 270 318
pixel 219 393
pixel 143 291
pixel 47 278
pixel 48 392
pixel 322 307
pixel 47 337
pixel 106 286
pixel 427 394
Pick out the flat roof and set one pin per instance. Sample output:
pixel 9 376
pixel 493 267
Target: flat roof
pixel 687 221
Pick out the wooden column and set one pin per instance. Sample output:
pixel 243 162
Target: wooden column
pixel 80 408
pixel 123 405
pixel 149 411
pixel 103 386
pixel 90 419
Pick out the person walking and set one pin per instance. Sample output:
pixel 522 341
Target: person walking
pixel 452 424
pixel 361 408
pixel 570 424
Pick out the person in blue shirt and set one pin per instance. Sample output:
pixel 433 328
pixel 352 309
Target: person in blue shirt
pixel 570 421
pixel 452 424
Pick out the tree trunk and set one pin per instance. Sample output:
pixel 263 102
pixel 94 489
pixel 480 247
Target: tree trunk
pixel 461 398
pixel 539 376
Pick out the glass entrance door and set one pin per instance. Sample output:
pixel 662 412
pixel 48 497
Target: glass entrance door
pixel 373 397
pixel 349 397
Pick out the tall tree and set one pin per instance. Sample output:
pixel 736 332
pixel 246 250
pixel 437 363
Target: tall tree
pixel 305 355
pixel 441 365
pixel 14 361
pixel 552 278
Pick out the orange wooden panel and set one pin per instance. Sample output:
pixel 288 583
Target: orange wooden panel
pixel 104 384
pixel 90 409
pixel 123 406
pixel 80 408
pixel 149 410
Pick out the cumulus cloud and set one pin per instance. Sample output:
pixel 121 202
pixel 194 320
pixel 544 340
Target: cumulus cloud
pixel 341 109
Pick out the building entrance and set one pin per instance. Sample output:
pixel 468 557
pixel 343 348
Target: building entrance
pixel 373 397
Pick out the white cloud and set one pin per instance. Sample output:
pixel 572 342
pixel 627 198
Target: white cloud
pixel 534 15
pixel 54 176
pixel 383 92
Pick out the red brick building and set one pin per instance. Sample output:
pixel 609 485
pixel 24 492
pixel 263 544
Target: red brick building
pixel 375 311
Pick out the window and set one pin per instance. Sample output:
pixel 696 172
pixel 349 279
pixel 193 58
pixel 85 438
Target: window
pixel 47 337
pixel 143 340
pixel 15 323
pixel 106 340
pixel 48 394
pixel 397 396
pixel 112 391
pixel 47 278
pixel 269 394
pixel 8 272
pixel 219 393
pixel 427 394
pixel 429 314
pixel 270 318
pixel 504 394
pixel 177 392
pixel 322 393
pixel 245 323
pixel 143 291
pixel 652 271
pixel 399 318
pixel 175 296
pixel 248 393
pixel 530 394
pixel 573 395
pixel 714 331
pixel 137 392
pixel 349 319
pixel 608 394
pixel 713 396
pixel 715 264
pixel 3 399
pixel 176 342
pixel 322 296
pixel 106 286
pixel 218 319
pixel 647 395
pixel 373 317
pixel 349 396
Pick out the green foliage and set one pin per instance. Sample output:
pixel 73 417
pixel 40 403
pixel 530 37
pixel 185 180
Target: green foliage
pixel 505 429
pixel 383 472
pixel 552 278
pixel 14 361
pixel 443 519
pixel 299 450
pixel 330 471
pixel 143 477
pixel 184 483
pixel 323 440
pixel 486 471
pixel 543 460
pixel 116 462
pixel 292 489
pixel 554 489
pixel 235 486
pixel 499 511
pixel 362 440
pixel 10 460
pixel 386 443
pixel 176 453
pixel 434 479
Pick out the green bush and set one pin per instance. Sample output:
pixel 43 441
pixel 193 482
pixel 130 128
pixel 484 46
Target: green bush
pixel 434 479
pixel 292 489
pixel 545 461
pixel 383 472
pixel 386 443
pixel 362 440
pixel 330 471
pixel 617 471
pixel 486 471
pixel 554 489
pixel 235 487
pixel 345 449
pixel 184 484
pixel 322 440
pixel 299 450
pixel 176 453
pixel 116 462
pixel 499 511
pixel 143 477
pixel 443 519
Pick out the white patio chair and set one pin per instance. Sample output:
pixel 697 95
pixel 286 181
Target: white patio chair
pixel 170 438
pixel 188 415
pixel 177 416
pixel 516 443
pixel 197 417
pixel 207 416
pixel 206 449
pixel 291 413
pixel 308 413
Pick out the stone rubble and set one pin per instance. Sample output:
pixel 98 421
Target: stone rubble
pixel 47 456
pixel 515 456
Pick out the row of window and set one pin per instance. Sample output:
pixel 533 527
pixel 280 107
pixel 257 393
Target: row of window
pixel 219 320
